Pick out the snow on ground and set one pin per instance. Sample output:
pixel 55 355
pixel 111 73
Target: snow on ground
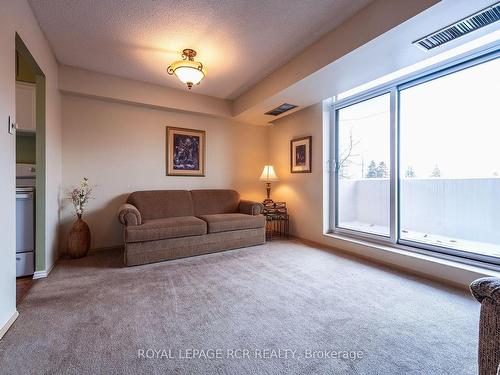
pixel 482 248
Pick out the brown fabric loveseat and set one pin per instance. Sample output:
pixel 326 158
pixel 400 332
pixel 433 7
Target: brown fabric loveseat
pixel 170 224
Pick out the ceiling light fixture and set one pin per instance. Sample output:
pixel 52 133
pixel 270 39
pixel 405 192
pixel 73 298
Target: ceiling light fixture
pixel 187 70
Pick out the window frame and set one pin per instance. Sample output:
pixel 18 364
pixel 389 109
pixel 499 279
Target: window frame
pixel 394 88
pixel 347 103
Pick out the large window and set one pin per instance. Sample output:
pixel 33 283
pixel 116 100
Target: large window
pixel 364 166
pixel 443 131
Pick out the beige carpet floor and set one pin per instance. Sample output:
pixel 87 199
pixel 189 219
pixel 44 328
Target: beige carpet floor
pixel 283 307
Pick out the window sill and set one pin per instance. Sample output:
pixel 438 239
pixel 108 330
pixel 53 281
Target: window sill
pixel 454 270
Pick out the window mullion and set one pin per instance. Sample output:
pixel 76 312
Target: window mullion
pixel 394 170
pixel 332 175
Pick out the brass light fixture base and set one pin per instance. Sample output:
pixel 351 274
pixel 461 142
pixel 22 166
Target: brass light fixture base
pixel 188 54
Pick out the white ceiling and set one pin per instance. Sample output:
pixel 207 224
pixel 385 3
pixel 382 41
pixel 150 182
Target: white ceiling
pixel 395 54
pixel 239 41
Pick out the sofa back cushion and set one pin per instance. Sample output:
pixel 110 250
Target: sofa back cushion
pixel 210 202
pixel 158 204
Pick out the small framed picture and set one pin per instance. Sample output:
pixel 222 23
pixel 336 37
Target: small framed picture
pixel 185 152
pixel 300 155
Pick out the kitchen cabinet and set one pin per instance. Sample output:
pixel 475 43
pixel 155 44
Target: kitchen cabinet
pixel 25 107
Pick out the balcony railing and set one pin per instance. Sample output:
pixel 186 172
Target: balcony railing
pixel 462 214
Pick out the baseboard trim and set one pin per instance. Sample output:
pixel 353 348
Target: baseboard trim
pixel 44 273
pixel 9 323
pixel 40 274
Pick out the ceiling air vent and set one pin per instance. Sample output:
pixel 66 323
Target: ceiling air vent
pixel 281 109
pixel 473 22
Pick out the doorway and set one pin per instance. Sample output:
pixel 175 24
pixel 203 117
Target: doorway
pixel 30 168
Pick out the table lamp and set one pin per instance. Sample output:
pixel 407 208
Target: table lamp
pixel 268 175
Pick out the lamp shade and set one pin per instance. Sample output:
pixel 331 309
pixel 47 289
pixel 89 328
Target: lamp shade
pixel 268 174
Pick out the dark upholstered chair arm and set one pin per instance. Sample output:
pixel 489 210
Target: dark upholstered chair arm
pixel 250 208
pixel 487 291
pixel 486 287
pixel 129 215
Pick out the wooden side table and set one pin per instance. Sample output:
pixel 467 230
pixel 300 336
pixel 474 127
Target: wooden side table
pixel 277 220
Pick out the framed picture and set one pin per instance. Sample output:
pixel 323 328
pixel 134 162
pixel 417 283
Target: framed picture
pixel 185 152
pixel 300 155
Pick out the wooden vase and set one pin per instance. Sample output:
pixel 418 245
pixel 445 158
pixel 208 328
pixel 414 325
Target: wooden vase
pixel 79 239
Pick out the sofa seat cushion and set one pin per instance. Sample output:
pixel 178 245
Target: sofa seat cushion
pixel 227 222
pixel 159 229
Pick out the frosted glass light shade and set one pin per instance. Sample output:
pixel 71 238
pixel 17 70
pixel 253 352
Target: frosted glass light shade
pixel 189 71
pixel 268 174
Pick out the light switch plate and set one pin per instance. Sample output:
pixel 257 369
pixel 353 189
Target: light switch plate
pixel 12 127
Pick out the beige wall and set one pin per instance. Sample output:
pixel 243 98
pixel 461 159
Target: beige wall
pixel 121 148
pixel 16 16
pixel 84 82
pixel 302 191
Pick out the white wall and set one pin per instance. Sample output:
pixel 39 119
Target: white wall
pixel 121 148
pixel 16 16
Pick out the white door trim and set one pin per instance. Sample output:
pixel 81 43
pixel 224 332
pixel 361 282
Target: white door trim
pixel 9 323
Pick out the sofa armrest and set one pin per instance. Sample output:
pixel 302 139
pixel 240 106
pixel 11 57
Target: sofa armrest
pixel 129 215
pixel 486 287
pixel 250 208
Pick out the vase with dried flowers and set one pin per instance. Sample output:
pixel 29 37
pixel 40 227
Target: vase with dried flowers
pixel 79 236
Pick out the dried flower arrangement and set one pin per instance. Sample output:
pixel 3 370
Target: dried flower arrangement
pixel 80 195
